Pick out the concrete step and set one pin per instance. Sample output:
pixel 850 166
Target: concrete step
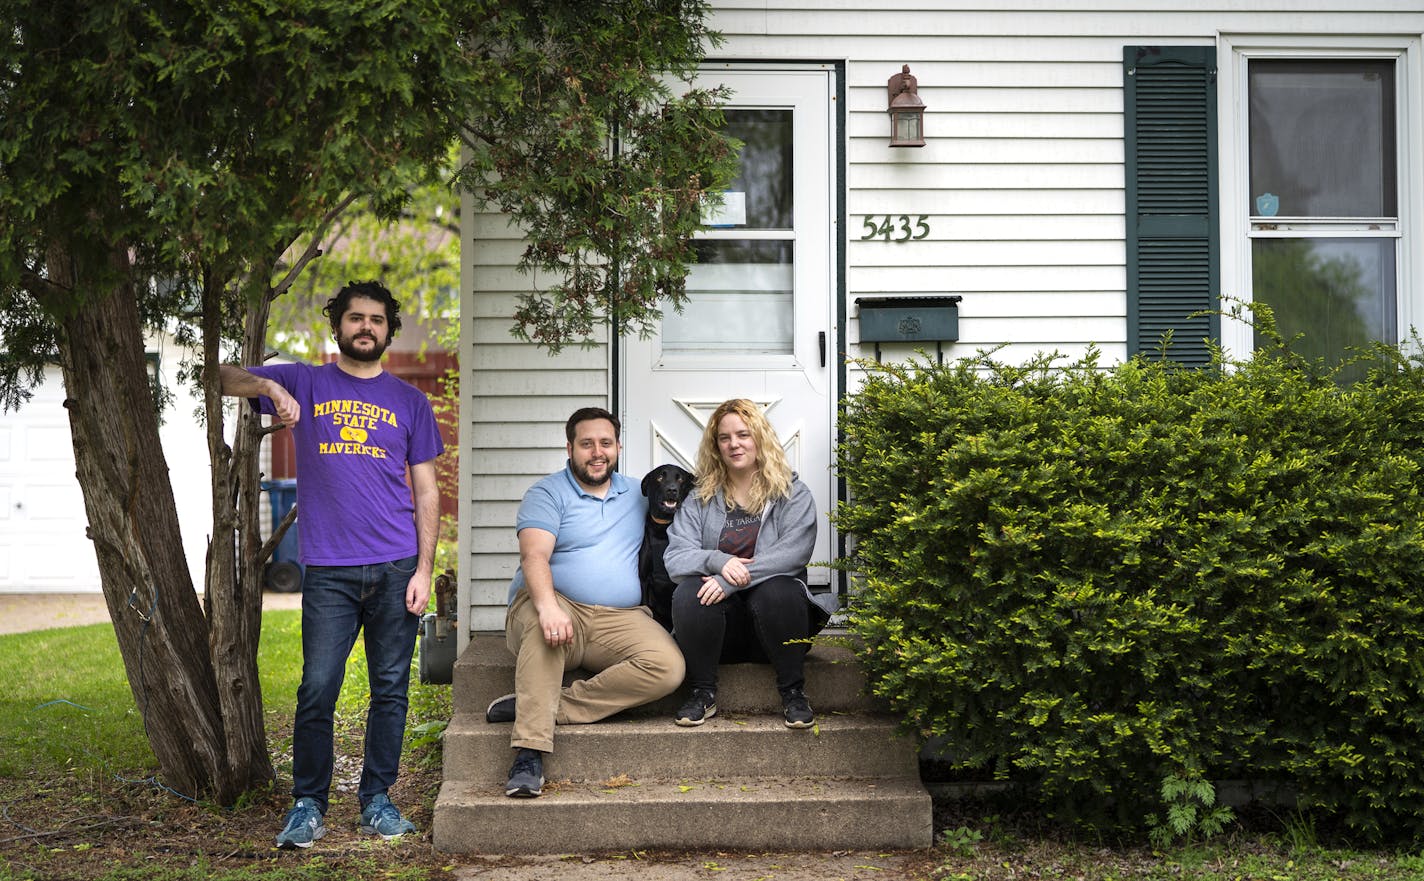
pixel 834 682
pixel 742 744
pixel 743 780
pixel 689 812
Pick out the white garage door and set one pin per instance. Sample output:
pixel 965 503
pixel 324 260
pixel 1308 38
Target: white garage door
pixel 43 546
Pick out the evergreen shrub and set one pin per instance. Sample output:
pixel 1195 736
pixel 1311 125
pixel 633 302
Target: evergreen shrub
pixel 1113 584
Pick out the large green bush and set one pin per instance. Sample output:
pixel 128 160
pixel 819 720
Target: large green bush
pixel 1103 582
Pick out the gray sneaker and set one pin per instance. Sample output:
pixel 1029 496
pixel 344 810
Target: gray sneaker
pixel 526 777
pixel 303 826
pixel 380 817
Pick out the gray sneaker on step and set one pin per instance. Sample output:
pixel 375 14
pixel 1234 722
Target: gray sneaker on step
pixel 526 776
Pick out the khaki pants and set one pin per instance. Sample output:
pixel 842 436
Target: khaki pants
pixel 633 659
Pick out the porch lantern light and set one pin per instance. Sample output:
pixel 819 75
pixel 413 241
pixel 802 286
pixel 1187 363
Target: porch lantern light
pixel 907 111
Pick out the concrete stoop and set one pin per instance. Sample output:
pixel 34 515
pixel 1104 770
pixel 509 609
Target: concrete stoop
pixel 741 781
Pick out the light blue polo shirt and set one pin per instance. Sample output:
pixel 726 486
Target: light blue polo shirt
pixel 596 541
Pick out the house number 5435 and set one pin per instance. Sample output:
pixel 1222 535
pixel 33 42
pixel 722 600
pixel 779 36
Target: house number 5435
pixel 895 229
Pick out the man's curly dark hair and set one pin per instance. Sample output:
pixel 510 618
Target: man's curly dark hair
pixel 372 290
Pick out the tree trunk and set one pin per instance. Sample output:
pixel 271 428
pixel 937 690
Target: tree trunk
pixel 133 522
pixel 233 594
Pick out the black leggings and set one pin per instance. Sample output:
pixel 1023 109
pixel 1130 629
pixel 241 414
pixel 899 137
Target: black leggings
pixel 753 624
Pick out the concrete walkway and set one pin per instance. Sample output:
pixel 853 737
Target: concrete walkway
pixel 846 865
pixel 21 612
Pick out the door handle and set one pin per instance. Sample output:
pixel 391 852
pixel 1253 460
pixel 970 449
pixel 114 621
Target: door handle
pixel 822 340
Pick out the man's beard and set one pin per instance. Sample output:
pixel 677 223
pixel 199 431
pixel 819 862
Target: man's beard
pixel 348 348
pixel 588 480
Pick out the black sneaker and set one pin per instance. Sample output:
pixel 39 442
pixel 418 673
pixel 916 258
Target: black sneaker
pixel 796 708
pixel 700 706
pixel 526 777
pixel 501 709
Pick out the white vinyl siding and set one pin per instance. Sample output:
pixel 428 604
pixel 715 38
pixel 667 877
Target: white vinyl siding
pixel 1021 176
pixel 516 399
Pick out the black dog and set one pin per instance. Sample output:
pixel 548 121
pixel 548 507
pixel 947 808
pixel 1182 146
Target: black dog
pixel 665 486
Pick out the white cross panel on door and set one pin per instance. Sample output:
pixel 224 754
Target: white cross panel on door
pixel 698 411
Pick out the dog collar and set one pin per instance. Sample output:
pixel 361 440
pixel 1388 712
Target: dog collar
pixel 657 521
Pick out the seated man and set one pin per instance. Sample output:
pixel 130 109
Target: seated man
pixel 575 602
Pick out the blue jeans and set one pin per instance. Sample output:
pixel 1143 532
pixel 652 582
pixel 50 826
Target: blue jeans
pixel 337 603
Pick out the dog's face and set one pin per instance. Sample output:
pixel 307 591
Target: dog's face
pixel 666 486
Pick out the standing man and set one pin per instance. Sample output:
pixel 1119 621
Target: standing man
pixel 367 541
pixel 575 601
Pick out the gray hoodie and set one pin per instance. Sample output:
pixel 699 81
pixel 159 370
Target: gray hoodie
pixel 784 544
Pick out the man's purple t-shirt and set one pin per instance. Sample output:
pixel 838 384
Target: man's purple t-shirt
pixel 354 440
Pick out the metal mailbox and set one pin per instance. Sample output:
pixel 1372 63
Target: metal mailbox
pixel 909 319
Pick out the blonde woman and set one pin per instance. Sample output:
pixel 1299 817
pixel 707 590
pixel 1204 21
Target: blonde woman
pixel 738 550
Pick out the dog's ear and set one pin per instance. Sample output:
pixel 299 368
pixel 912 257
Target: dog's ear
pixel 648 480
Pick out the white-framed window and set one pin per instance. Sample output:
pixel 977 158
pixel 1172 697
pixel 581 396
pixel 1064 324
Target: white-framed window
pixel 1321 193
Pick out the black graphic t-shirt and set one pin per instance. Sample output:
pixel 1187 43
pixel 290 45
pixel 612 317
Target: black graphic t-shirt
pixel 739 533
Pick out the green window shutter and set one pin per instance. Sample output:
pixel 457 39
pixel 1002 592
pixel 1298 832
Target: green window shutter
pixel 1173 239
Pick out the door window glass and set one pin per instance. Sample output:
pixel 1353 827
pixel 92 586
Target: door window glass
pixel 740 293
pixel 765 176
pixel 739 300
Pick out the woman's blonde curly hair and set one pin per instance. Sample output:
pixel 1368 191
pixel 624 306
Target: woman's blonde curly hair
pixel 773 475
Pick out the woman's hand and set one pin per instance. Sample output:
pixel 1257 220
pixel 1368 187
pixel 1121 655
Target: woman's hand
pixel 736 573
pixel 710 592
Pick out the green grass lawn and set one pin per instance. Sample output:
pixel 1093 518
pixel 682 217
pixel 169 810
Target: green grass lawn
pixel 68 704
pixel 68 707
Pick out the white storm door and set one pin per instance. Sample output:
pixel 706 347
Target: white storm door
pixel 760 318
